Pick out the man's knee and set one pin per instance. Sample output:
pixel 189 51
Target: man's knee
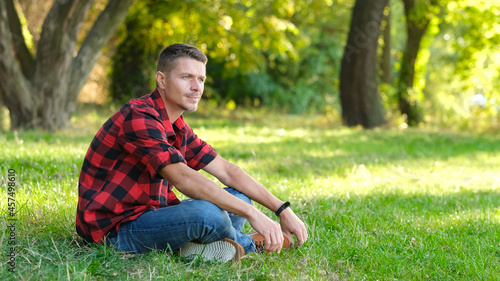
pixel 209 210
pixel 213 222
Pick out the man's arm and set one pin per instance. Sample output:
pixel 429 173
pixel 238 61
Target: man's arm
pixel 232 175
pixel 195 185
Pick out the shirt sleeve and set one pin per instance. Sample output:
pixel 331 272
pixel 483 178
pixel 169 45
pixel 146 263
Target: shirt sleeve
pixel 198 152
pixel 144 136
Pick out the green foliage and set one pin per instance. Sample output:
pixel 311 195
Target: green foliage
pixel 286 55
pixel 464 76
pixel 276 53
pixel 379 204
pixel 133 69
pixel 457 60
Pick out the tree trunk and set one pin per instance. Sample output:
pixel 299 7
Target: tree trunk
pixel 14 87
pixel 361 103
pixel 385 60
pixel 43 95
pixel 416 28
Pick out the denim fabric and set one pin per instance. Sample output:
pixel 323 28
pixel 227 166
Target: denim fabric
pixel 171 227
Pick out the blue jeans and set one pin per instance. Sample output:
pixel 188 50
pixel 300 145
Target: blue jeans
pixel 171 227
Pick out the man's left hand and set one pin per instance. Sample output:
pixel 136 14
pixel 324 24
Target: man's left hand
pixel 291 224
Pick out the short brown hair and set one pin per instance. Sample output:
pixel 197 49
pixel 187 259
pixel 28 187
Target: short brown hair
pixel 168 57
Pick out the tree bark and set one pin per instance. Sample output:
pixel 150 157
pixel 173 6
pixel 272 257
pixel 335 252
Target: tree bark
pixel 361 103
pixel 416 28
pixel 43 96
pixel 14 86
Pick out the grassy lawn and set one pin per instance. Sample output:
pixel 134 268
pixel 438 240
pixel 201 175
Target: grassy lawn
pixel 379 205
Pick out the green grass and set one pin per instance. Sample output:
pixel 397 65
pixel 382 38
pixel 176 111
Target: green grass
pixel 379 204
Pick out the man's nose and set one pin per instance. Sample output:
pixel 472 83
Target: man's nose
pixel 196 85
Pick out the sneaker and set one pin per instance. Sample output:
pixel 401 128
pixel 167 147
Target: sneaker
pixel 222 251
pixel 259 241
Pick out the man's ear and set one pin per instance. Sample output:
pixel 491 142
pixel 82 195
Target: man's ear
pixel 160 79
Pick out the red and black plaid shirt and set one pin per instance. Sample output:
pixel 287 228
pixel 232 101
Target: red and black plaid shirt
pixel 119 180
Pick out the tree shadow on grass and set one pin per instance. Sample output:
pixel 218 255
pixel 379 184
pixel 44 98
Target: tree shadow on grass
pixel 331 153
pixel 370 145
pixel 400 203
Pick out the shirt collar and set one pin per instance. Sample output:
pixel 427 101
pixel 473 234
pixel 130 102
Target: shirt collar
pixel 179 126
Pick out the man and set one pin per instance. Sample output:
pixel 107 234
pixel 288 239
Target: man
pixel 146 148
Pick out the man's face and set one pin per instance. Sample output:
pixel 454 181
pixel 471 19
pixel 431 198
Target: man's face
pixel 183 86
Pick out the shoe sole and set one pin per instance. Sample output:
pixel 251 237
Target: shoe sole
pixel 222 251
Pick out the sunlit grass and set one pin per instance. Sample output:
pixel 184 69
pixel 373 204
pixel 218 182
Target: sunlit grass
pixel 380 204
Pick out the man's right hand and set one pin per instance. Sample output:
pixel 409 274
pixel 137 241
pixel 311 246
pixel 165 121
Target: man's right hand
pixel 268 228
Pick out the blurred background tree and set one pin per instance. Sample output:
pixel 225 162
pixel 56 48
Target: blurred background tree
pixel 40 87
pixel 361 103
pixel 418 16
pixel 438 61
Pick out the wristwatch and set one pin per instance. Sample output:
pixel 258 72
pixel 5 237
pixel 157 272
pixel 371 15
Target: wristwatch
pixel 283 207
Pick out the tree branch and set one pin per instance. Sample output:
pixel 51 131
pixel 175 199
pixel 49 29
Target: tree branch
pixel 58 39
pixel 14 89
pixel 23 54
pixel 98 36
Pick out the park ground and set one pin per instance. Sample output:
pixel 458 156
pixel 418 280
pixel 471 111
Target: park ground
pixel 385 204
